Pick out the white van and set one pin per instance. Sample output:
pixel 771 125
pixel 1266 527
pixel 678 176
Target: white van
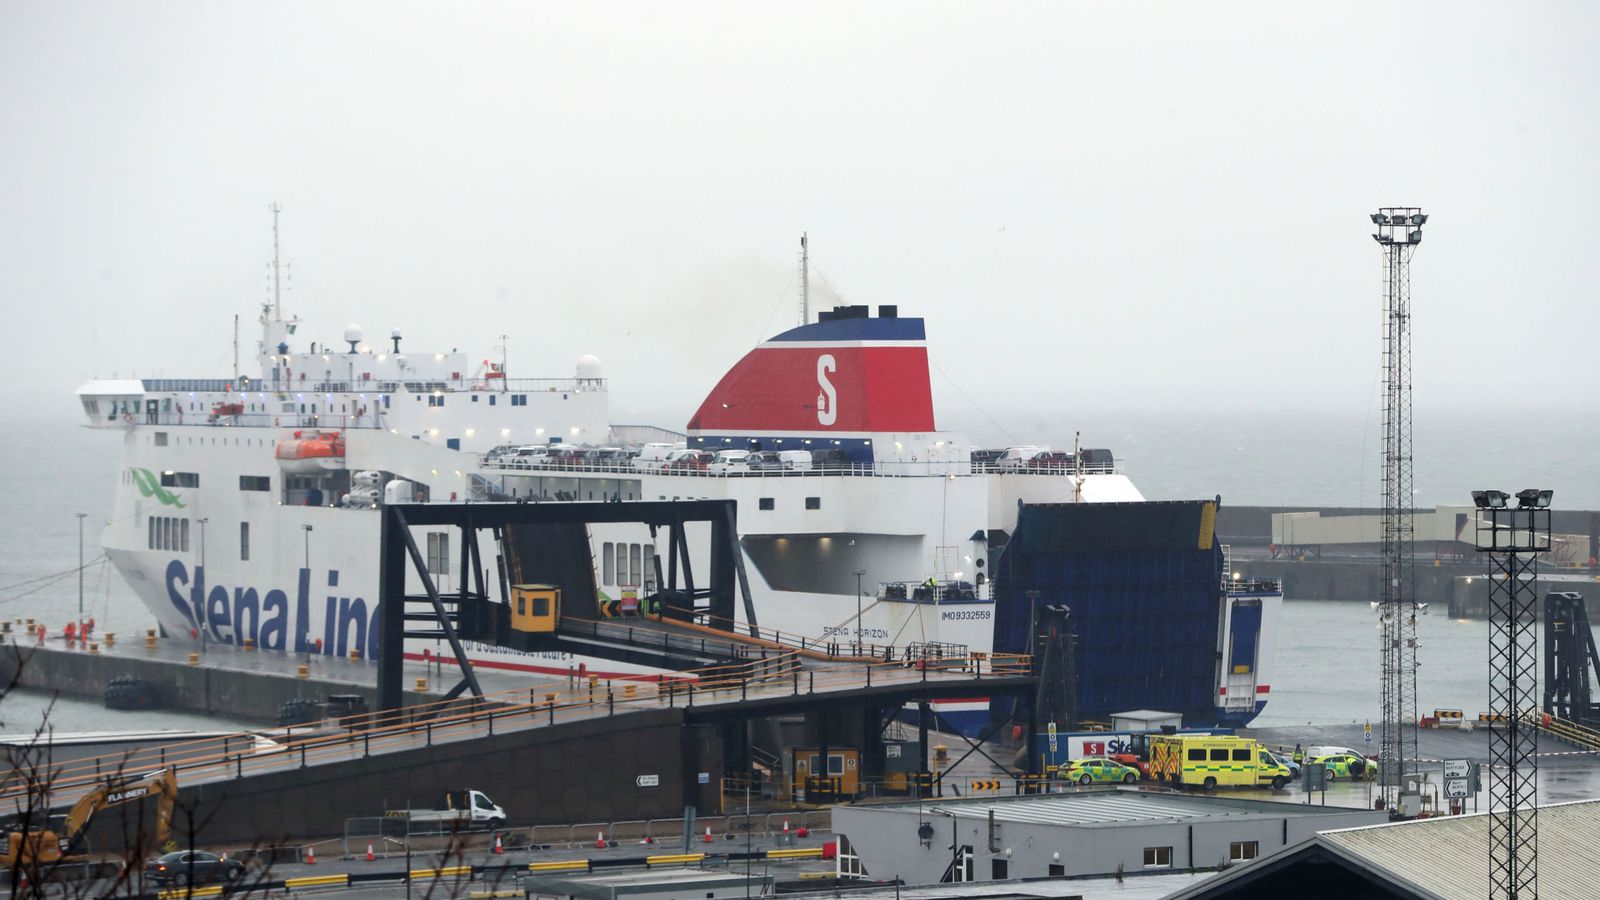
pixel 653 456
pixel 1016 458
pixel 730 461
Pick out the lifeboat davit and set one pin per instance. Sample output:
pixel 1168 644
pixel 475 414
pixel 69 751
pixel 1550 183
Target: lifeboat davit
pixel 310 452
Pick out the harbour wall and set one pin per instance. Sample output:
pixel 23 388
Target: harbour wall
pixel 249 695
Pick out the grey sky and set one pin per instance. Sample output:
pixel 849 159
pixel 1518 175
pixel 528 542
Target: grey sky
pixel 1096 206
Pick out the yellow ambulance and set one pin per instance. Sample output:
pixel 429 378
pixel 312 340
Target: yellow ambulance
pixel 1214 760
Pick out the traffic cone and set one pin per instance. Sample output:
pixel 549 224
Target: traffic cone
pixel 708 834
pixel 370 855
pixel 498 848
pixel 785 826
pixel 311 854
pixel 600 839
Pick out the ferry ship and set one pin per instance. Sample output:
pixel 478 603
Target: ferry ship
pixel 247 507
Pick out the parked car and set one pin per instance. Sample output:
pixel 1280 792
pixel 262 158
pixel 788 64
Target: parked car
pixel 1053 461
pixel 1330 750
pixel 565 457
pixel 1097 769
pixel 606 457
pixel 688 461
pixel 730 461
pixel 498 454
pixel 830 458
pixel 986 460
pixel 774 460
pixel 1347 765
pixel 186 867
pixel 1098 460
pixel 529 457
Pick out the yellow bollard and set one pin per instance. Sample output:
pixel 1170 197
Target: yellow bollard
pixel 355 656
pixel 422 685
pixel 249 643
pixel 941 752
pixel 302 671
pixel 94 648
pixel 194 659
pixel 149 642
pixel 628 691
pixel 111 640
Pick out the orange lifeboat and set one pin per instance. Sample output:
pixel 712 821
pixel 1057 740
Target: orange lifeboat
pixel 310 452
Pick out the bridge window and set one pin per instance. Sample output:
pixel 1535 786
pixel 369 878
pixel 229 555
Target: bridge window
pixel 1158 857
pixel 764 503
pixel 180 479
pixel 813 503
pixel 255 483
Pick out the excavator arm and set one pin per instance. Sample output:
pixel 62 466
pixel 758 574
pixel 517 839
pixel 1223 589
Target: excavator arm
pixel 163 784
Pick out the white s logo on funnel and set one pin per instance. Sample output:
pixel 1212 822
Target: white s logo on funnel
pixel 828 400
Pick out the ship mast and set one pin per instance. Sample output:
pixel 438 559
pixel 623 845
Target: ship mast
pixel 277 294
pixel 805 281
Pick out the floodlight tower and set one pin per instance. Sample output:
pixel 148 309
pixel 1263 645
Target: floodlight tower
pixel 1399 233
pixel 1513 538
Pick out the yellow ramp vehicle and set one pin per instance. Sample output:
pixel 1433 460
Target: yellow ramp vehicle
pixel 1210 761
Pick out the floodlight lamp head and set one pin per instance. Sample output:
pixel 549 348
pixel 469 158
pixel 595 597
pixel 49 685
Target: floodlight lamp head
pixel 1533 498
pixel 1489 499
pixel 1380 219
pixel 1418 219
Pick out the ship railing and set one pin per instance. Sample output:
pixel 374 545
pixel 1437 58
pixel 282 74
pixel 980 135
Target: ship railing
pixel 931 469
pixel 1241 585
pixel 839 643
pixel 324 421
pixel 939 592
pixel 538 704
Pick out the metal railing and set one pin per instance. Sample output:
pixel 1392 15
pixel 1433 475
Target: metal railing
pixel 539 704
pixel 932 468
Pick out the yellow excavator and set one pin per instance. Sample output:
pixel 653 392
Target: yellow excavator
pixel 33 847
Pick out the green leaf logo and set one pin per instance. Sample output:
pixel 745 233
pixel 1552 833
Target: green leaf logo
pixel 150 486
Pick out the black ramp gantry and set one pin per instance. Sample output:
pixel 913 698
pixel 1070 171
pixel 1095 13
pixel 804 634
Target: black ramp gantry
pixel 544 538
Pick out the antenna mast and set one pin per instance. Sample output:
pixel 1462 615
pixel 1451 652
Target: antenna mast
pixel 805 281
pixel 235 345
pixel 277 296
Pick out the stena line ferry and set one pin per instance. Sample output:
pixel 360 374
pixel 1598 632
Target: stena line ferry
pixel 248 506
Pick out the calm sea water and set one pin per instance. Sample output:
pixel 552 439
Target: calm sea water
pixel 1327 656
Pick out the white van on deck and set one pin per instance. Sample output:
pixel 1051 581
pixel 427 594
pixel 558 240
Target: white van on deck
pixel 1016 458
pixel 653 456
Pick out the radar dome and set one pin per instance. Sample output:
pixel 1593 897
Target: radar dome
pixel 588 366
pixel 352 333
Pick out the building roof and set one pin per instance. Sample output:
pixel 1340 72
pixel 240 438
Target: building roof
pixel 1117 806
pixel 1450 856
pixel 1443 858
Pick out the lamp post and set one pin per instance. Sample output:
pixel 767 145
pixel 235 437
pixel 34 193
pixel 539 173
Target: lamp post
pixel 859 573
pixel 205 596
pixel 80 572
